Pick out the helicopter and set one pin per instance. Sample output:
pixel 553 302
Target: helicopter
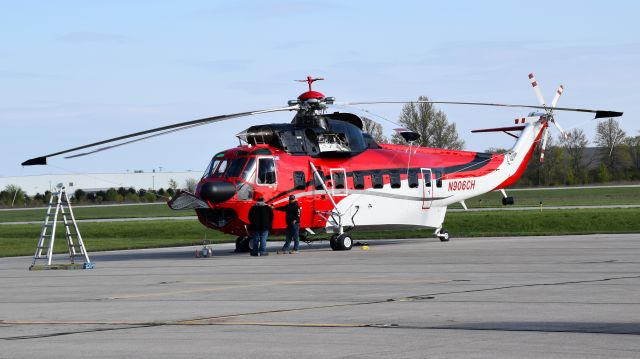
pixel 342 178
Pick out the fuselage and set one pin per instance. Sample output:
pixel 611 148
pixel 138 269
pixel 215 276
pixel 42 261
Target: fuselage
pixel 388 186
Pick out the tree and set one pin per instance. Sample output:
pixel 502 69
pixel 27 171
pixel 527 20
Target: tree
pixel 496 150
pixel 374 129
pixel 12 195
pixel 79 195
pixel 111 195
pixel 633 147
pixel 173 185
pixel 431 124
pixel 190 185
pixel 609 136
pixel 574 146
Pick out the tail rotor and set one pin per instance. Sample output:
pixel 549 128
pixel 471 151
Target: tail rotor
pixel 548 116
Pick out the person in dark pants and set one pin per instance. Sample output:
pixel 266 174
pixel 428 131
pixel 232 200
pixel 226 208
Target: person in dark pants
pixel 293 225
pixel 260 220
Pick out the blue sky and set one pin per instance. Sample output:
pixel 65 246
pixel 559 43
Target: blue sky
pixel 74 72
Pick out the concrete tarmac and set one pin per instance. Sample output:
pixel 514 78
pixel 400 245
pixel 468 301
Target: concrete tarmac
pixel 524 297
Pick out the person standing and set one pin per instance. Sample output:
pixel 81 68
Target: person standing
pixel 260 222
pixel 292 218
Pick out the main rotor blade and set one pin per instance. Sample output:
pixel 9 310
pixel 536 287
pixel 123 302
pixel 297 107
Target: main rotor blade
pixel 42 160
pixel 599 113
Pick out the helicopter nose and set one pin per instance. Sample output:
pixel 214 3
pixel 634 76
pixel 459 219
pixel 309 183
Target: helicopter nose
pixel 216 192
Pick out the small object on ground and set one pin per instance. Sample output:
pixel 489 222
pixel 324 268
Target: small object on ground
pixel 206 251
pixel 360 244
pixel 365 248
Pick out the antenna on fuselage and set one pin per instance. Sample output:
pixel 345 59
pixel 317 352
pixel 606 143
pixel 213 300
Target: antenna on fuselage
pixel 410 137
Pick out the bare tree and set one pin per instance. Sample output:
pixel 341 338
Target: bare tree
pixel 190 185
pixel 432 125
pixel 609 136
pixel 374 129
pixel 173 185
pixel 574 146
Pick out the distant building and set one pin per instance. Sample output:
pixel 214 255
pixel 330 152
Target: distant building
pixel 92 182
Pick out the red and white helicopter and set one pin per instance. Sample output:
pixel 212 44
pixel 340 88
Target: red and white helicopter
pixel 341 177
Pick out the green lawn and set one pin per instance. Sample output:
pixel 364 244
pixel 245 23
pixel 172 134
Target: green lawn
pixel 570 197
pixel 145 210
pixel 22 239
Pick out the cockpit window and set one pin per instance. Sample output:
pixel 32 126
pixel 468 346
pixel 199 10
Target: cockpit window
pixel 266 171
pixel 219 171
pixel 236 167
pixel 249 170
pixel 211 168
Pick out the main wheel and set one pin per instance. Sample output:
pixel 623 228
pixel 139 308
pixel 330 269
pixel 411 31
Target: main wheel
pixel 345 242
pixel 443 235
pixel 242 244
pixel 333 242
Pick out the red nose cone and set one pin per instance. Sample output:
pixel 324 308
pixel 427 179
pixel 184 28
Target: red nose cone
pixel 311 94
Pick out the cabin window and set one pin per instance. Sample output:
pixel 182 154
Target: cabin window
pixel 394 179
pixel 426 175
pixel 413 178
pixel 236 167
pixel 376 180
pixel 358 180
pixel 299 180
pixel 266 171
pixel 438 178
pixel 338 180
pixel 317 182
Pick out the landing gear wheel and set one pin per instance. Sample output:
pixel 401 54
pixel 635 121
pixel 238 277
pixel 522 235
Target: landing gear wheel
pixel 345 243
pixel 443 235
pixel 242 244
pixel 334 243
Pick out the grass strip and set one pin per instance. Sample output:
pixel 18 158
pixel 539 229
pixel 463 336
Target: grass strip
pixel 17 240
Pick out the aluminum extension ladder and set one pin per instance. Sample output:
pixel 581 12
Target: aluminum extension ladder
pixel 59 204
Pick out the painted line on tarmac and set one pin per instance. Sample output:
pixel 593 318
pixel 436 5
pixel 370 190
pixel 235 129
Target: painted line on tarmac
pixel 268 284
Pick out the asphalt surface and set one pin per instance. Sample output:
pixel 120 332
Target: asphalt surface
pixel 526 297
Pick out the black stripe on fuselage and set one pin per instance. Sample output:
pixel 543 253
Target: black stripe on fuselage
pixel 479 161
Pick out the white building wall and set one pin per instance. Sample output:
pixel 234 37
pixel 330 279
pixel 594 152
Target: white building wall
pixel 92 181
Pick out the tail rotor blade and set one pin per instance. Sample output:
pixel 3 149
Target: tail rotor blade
pixel 562 131
pixel 557 96
pixel 536 88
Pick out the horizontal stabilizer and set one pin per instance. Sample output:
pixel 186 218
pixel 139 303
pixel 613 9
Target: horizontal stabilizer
pixel 607 114
pixel 500 129
pixel 186 200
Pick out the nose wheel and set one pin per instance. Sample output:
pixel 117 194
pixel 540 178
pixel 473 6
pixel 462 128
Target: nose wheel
pixel 443 235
